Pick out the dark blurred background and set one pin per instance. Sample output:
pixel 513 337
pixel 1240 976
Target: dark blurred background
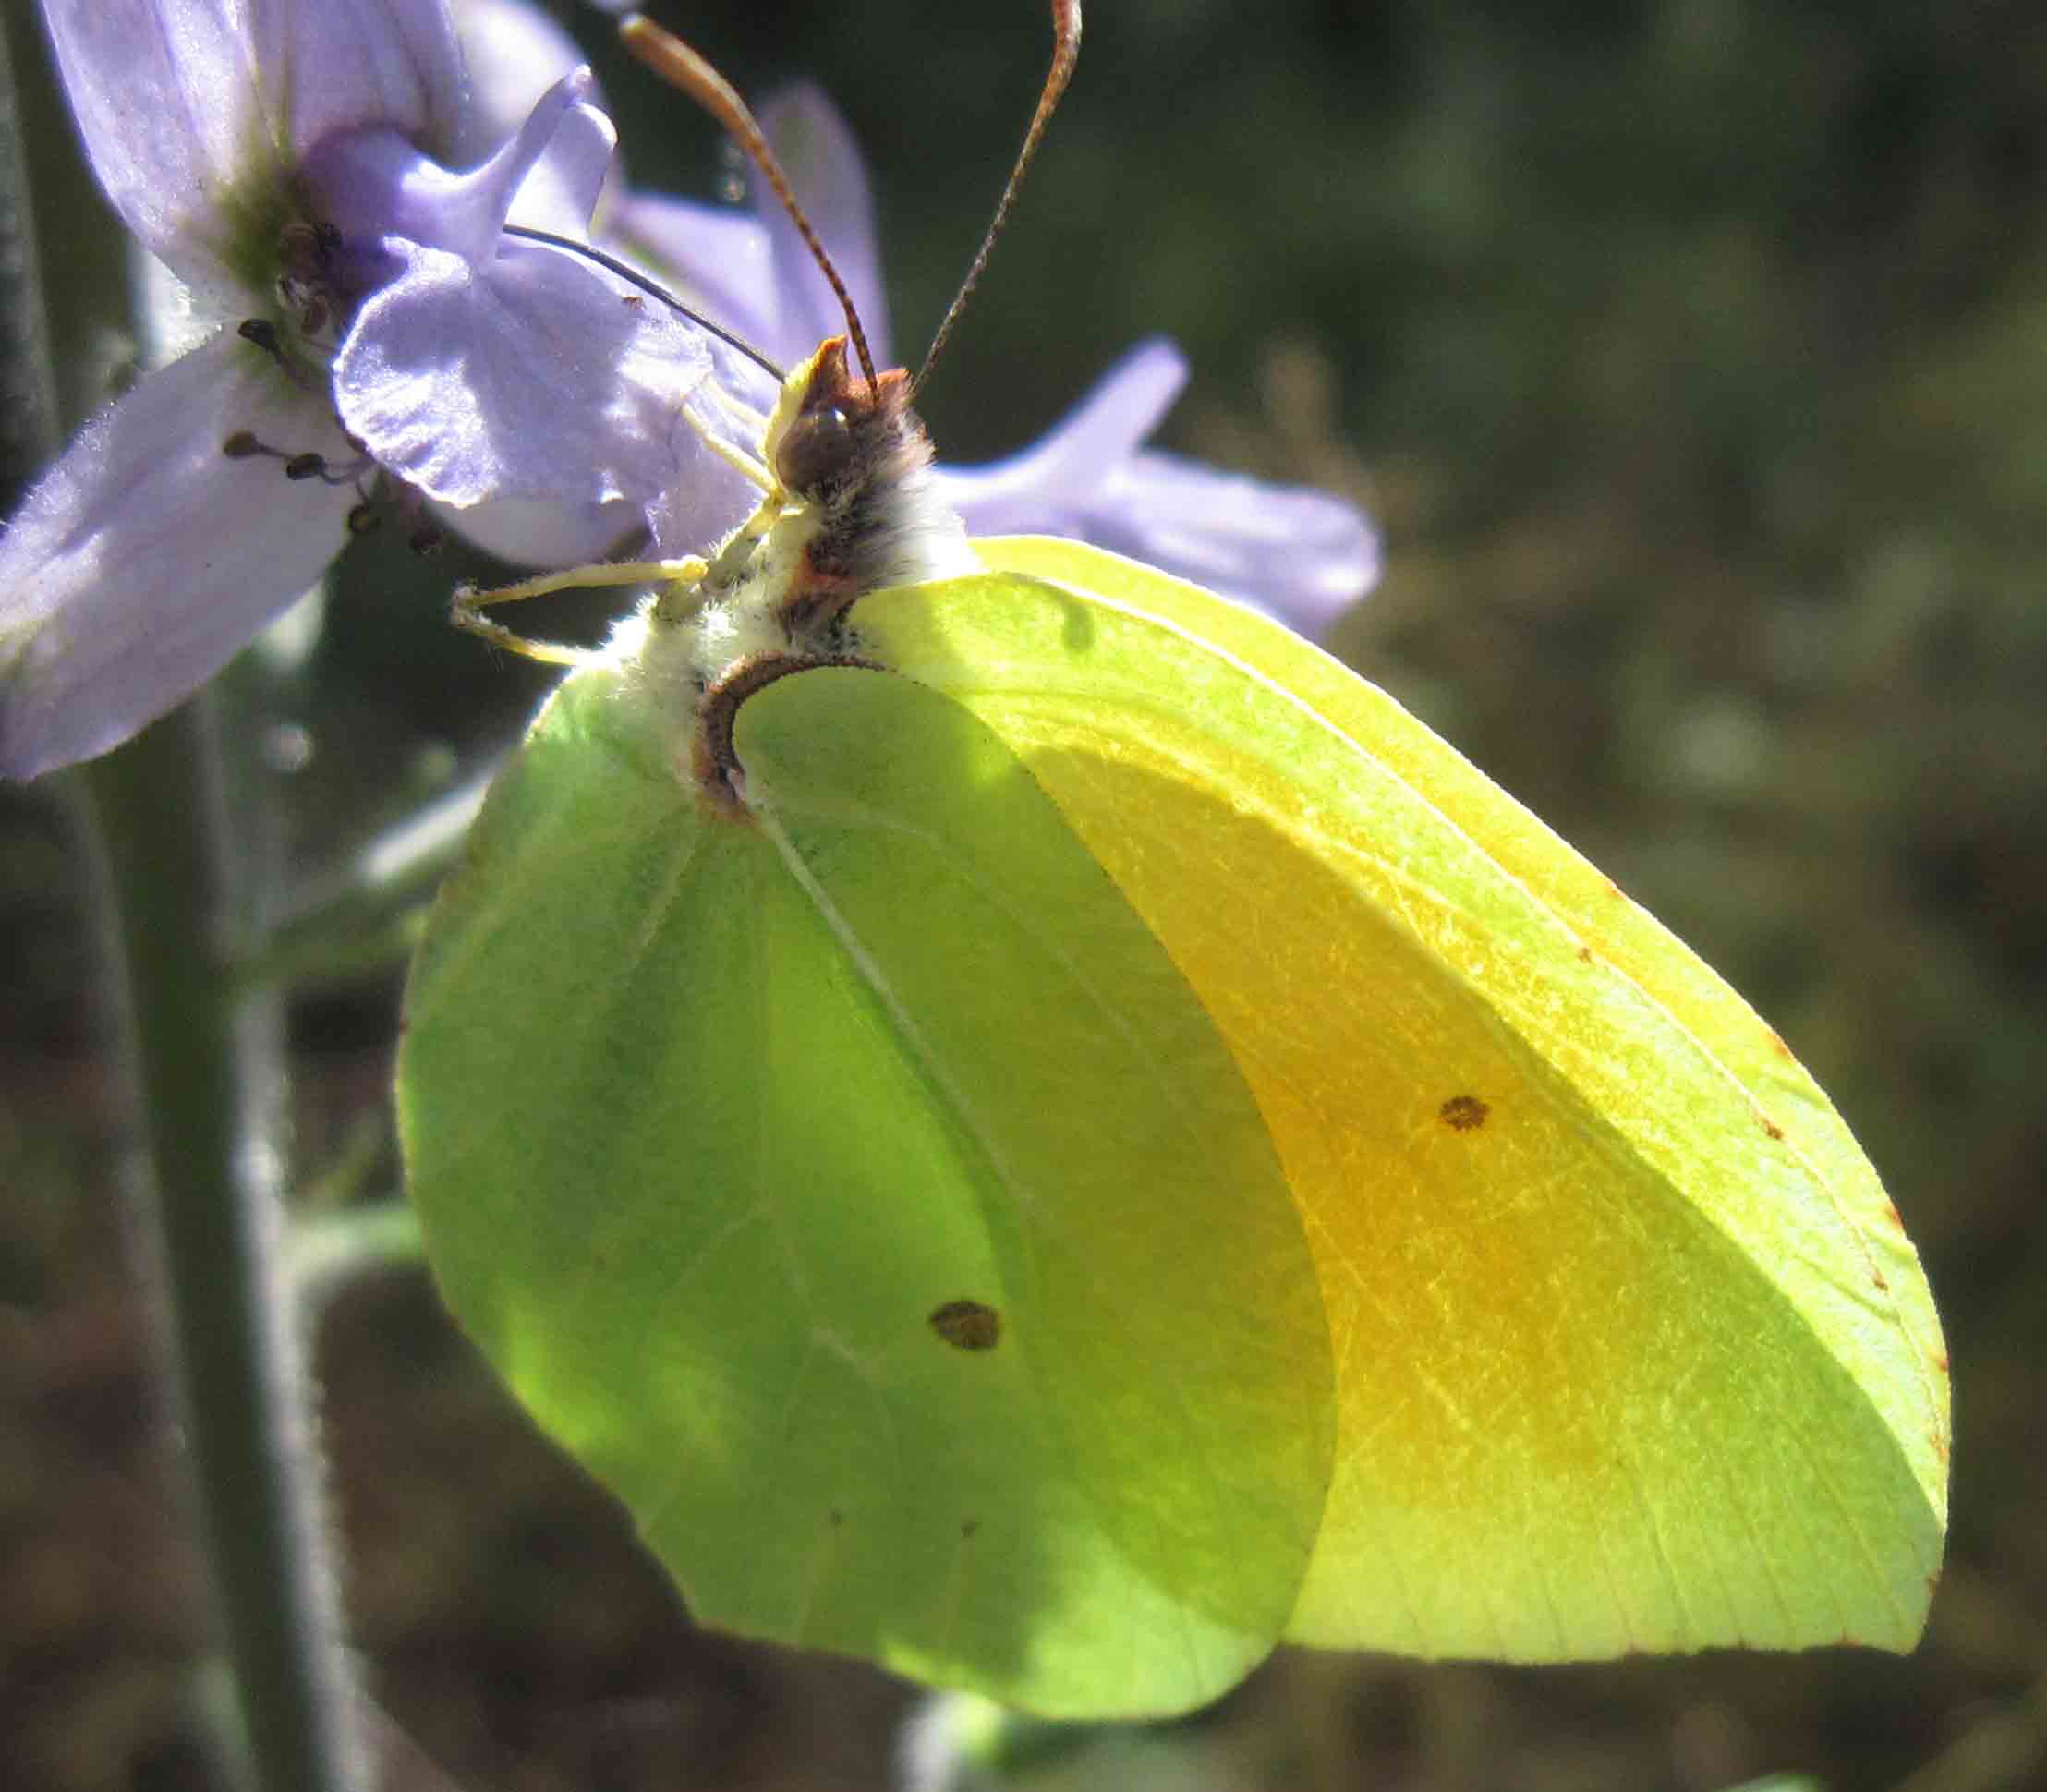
pixel 1693 355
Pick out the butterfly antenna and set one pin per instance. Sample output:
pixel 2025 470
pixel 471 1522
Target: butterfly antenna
pixel 1066 49
pixel 683 68
pixel 652 288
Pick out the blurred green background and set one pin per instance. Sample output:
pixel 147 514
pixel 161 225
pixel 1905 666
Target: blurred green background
pixel 1693 357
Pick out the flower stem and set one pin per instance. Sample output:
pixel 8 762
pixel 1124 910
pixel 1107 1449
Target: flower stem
pixel 27 401
pixel 207 1066
pixel 332 1252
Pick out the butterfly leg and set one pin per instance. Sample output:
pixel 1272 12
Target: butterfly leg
pixel 679 578
pixel 749 466
pixel 466 611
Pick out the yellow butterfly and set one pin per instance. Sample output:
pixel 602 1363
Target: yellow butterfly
pixel 1037 1129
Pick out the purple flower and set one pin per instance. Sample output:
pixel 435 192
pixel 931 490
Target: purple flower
pixel 277 155
pixel 1299 555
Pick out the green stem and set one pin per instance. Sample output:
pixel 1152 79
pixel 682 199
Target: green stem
pixel 207 1068
pixel 328 1253
pixel 27 401
pixel 207 1071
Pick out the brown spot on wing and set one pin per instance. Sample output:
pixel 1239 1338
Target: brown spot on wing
pixel 1463 1113
pixel 968 1325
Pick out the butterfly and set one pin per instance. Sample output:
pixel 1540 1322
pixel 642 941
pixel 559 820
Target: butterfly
pixel 1038 1130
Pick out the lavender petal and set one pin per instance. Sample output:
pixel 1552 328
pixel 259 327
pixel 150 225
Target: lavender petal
pixel 188 108
pixel 375 184
pixel 1061 473
pixel 163 93
pixel 535 376
pixel 528 533
pixel 816 149
pixel 1299 554
pixel 146 558
pixel 328 65
pixel 515 53
pixel 717 260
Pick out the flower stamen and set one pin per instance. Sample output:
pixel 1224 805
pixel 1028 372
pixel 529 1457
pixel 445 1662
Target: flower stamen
pixel 263 333
pixel 309 464
pixel 393 497
pixel 307 283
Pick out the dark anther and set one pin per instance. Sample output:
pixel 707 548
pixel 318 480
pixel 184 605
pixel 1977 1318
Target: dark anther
pixel 245 444
pixel 311 245
pixel 363 519
pixel 261 331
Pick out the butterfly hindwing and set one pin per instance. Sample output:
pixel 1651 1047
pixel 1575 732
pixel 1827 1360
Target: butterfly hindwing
pixel 857 1188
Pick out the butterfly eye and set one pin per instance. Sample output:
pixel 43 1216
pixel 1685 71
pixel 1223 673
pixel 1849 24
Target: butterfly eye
pixel 817 450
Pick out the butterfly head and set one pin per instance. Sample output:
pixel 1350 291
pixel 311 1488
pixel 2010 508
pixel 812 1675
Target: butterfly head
pixel 833 434
pixel 854 464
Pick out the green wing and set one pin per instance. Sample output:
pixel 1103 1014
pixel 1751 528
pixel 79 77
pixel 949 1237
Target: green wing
pixel 1132 1147
pixel 862 1194
pixel 1631 1351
